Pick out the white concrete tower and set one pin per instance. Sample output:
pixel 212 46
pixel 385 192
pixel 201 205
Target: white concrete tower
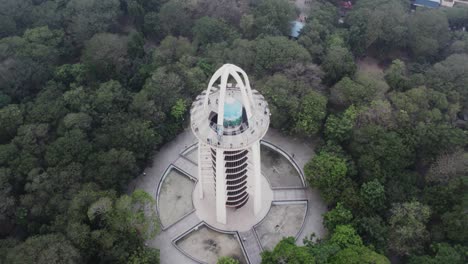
pixel 229 119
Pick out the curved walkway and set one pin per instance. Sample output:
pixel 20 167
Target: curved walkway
pixel 169 154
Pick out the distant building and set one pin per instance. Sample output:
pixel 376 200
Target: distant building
pixel 451 3
pixel 427 3
pixel 296 27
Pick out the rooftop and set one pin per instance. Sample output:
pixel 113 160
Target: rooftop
pixel 212 134
pixel 427 3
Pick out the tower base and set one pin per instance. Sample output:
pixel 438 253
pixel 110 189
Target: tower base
pixel 242 219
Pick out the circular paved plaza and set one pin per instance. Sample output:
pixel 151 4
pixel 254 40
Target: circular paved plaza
pixel 189 232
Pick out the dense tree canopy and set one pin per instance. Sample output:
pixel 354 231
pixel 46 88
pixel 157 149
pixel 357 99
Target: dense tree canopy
pixel 90 89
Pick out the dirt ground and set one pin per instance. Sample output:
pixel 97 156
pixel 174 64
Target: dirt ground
pixel 209 245
pixel 279 171
pixel 283 220
pixel 175 199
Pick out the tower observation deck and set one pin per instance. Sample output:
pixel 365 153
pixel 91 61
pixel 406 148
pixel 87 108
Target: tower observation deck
pixel 229 119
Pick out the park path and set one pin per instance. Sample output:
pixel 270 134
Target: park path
pixel 293 194
pixel 251 246
pixel 187 166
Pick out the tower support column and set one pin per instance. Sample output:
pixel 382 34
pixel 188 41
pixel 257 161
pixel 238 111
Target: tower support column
pixel 220 187
pixel 200 175
pixel 257 174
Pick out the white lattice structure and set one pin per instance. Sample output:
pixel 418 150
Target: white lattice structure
pixel 229 119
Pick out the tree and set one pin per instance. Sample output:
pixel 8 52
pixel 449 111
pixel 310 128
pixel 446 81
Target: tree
pixel 358 255
pixel 11 117
pixel 272 17
pixel 227 10
pixel 105 54
pixel 50 248
pixel 427 32
pixel 211 30
pixel 395 76
pixel 448 166
pixel 110 97
pixel 339 127
pixel 338 216
pixel 88 17
pixel 274 53
pixel 284 98
pixel 423 105
pixel 145 255
pixel 338 61
pixel 450 75
pixel 227 260
pixel 345 236
pixel 171 50
pixel 286 251
pixel 380 154
pixel 174 18
pixel 311 114
pixel 454 222
pixel 377 23
pixel 327 172
pixel 373 193
pixel 112 169
pixel 347 92
pixel 407 227
pixel 444 253
pixel 72 147
pixel 242 53
pixel 379 112
pixel 374 231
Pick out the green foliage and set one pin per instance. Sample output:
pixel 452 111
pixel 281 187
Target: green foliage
pixel 374 231
pixel 277 90
pixel 338 216
pixel 327 172
pixel 427 32
pixel 384 153
pixel 358 255
pixel 174 18
pixel 347 91
pixel 89 89
pixel 171 50
pixel 105 54
pixel 274 53
pixel 338 61
pixel 373 194
pixel 11 117
pixel 227 260
pixel 450 75
pixel 211 30
pixel 407 227
pixel 396 77
pixel 51 248
pixel 444 253
pixel 378 23
pixel 144 256
pixel 344 246
pixel 286 251
pixel 179 109
pixel 339 128
pixel 272 17
pixel 88 17
pixel 311 114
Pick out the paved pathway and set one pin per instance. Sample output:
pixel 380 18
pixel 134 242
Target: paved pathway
pixel 289 195
pixel 182 226
pixel 251 246
pixel 170 154
pixel 187 166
